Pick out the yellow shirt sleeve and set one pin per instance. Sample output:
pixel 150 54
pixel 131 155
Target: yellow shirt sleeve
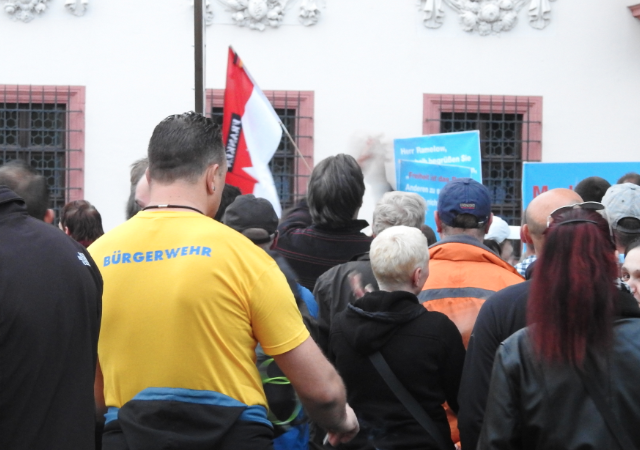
pixel 276 320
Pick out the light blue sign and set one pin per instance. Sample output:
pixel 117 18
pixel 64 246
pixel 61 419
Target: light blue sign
pixel 426 180
pixel 541 177
pixel 457 149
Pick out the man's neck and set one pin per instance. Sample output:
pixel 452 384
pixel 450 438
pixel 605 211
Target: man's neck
pixel 178 193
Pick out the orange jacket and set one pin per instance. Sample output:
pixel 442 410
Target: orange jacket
pixel 462 274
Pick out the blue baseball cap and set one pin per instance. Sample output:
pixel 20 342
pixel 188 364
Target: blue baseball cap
pixel 464 196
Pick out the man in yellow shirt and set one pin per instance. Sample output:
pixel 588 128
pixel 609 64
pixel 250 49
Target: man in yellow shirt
pixel 186 300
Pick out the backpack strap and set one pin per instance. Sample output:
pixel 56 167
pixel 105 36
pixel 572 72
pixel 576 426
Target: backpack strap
pixel 407 399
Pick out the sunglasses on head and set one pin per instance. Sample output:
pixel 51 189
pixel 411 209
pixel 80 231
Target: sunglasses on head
pixel 556 213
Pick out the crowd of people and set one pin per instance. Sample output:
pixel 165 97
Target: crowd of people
pixel 206 322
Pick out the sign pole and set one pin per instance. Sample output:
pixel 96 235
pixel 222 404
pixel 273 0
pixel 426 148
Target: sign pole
pixel 199 34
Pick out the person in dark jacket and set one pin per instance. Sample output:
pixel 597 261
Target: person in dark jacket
pixel 50 311
pixel 322 230
pixel 335 288
pixel 538 397
pixel 423 348
pixel 504 313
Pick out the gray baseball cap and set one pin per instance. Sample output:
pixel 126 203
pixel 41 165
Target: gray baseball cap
pixel 622 201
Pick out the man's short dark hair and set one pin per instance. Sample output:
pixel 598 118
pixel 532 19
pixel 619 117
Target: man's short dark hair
pixel 630 177
pixel 623 239
pixel 183 146
pixel 27 183
pixel 336 188
pixel 138 169
pixel 466 221
pixel 592 189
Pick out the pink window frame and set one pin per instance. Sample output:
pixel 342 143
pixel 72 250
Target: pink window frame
pixel 635 10
pixel 529 107
pixel 304 127
pixel 74 99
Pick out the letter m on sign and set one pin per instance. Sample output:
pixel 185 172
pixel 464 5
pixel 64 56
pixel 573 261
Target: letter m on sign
pixel 537 191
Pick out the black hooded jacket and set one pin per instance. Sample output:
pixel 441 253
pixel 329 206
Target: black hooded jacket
pixel 423 348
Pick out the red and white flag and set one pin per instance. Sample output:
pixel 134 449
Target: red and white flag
pixel 251 133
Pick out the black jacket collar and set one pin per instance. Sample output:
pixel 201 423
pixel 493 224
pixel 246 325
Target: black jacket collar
pixel 10 202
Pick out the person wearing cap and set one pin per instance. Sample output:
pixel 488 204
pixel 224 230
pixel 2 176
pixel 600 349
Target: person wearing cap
pixel 463 271
pixel 256 219
pixel 622 208
pixel 504 313
pixel 498 235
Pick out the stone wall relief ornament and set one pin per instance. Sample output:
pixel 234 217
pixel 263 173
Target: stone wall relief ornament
pixel 256 14
pixel 539 13
pixel 24 10
pixel 486 16
pixel 76 7
pixel 309 13
pixel 260 14
pixel 433 14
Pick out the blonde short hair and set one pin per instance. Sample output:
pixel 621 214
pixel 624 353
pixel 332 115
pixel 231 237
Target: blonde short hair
pixel 398 208
pixel 396 253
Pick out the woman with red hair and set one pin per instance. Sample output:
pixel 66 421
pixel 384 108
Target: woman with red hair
pixel 568 381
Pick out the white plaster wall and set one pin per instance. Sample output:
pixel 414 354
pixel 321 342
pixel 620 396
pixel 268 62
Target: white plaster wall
pixel 368 61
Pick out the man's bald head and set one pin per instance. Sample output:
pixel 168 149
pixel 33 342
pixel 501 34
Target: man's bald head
pixel 539 209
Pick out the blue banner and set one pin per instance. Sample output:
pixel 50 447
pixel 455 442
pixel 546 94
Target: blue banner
pixel 457 149
pixel 426 180
pixel 541 177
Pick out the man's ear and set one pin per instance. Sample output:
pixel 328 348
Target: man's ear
pixel 525 235
pixel 488 224
pixel 49 216
pixel 438 222
pixel 211 173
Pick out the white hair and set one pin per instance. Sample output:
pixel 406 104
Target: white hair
pixel 395 254
pixel 398 208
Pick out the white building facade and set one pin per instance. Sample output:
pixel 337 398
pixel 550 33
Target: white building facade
pixel 84 82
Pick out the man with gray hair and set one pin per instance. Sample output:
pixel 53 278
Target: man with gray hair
pixel 622 208
pixel 423 349
pixel 334 290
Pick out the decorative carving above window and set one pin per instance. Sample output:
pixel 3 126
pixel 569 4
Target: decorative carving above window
pixel 76 7
pixel 486 16
pixel 260 14
pixel 24 10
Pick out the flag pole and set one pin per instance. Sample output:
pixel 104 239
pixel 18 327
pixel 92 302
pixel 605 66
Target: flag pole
pixel 199 54
pixel 295 146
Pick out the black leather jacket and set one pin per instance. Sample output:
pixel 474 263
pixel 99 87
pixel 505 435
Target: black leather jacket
pixel 536 406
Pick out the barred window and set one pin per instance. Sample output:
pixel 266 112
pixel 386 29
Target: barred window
pixel 510 132
pixel 43 125
pixel 291 170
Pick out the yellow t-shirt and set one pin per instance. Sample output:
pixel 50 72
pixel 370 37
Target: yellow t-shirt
pixel 186 299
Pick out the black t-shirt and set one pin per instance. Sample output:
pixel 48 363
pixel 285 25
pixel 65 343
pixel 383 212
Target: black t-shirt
pixel 50 308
